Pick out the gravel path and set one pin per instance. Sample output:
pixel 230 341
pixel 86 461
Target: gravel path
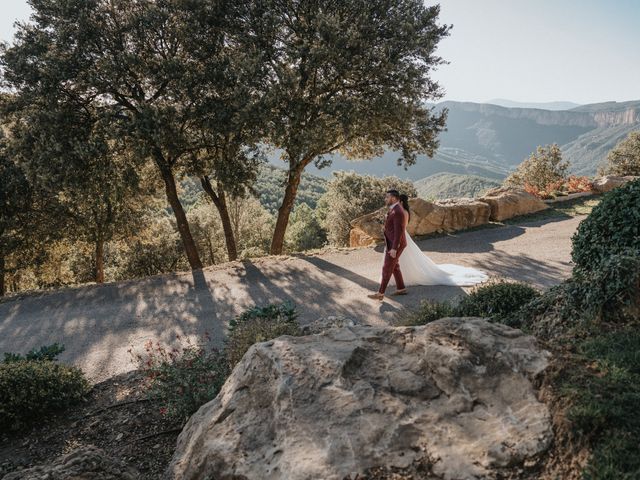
pixel 98 323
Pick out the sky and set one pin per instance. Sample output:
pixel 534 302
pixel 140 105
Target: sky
pixel 583 51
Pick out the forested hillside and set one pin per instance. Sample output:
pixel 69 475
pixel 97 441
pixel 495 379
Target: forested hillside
pixel 449 185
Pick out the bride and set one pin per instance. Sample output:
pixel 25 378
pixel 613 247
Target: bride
pixel 418 269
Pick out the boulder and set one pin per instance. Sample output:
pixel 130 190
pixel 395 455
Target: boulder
pixel 446 215
pixel 508 202
pixel 426 217
pixel 86 463
pixel 358 238
pixel 609 182
pixel 368 229
pixel 456 394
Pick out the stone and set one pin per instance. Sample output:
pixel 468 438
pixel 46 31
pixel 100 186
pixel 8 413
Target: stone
pixel 86 463
pixel 509 202
pixel 446 215
pixel 368 229
pixel 607 183
pixel 426 218
pixel 323 324
pixel 456 393
pixel 358 238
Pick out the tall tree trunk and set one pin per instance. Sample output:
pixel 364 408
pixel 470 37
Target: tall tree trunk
pixel 293 182
pixel 212 257
pixel 181 218
pixel 3 288
pixel 99 261
pixel 220 201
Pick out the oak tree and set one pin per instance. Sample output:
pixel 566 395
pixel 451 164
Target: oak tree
pixel 350 77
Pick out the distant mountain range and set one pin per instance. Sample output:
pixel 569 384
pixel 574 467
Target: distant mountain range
pixel 544 105
pixel 489 140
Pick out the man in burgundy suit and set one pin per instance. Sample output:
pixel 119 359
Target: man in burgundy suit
pixel 396 242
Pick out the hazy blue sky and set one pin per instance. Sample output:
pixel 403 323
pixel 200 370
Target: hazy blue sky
pixel 526 50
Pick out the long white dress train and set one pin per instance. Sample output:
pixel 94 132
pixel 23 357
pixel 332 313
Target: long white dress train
pixel 418 269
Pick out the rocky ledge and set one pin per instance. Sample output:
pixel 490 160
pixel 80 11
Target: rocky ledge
pixel 457 393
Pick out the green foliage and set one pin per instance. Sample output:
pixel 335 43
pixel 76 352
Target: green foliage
pixel 270 188
pixel 624 159
pixel 31 389
pixel 578 306
pixel 319 108
pixel 427 312
pixel 252 226
pixel 350 196
pixel 260 324
pixel 46 352
pixel 451 185
pixel 605 403
pixel 499 301
pixel 305 231
pixel 612 227
pixel 541 170
pixel 182 379
pixel 153 250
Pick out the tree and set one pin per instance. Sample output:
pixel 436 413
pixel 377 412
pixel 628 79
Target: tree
pixel 234 168
pixel 15 204
pixel 91 175
pixel 350 77
pixel 624 159
pixel 543 170
pixel 305 231
pixel 29 214
pixel 350 196
pixel 155 69
pixel 251 224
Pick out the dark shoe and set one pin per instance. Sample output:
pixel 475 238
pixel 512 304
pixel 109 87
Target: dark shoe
pixel 399 292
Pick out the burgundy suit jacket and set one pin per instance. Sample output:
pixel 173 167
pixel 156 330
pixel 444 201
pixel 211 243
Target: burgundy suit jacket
pixel 394 229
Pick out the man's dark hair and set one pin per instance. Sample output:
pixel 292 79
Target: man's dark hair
pixel 393 192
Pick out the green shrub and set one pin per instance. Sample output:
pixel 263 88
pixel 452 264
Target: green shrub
pixel 259 325
pixel 46 352
pixel 427 312
pixel 612 292
pixel 613 227
pixel 576 306
pixel 624 158
pixel 182 379
pixel 349 196
pixel 30 389
pixel 605 403
pixel 499 301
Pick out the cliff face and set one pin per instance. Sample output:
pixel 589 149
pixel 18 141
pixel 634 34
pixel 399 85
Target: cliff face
pixel 611 119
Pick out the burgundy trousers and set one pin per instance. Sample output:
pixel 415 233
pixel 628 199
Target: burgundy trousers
pixel 391 267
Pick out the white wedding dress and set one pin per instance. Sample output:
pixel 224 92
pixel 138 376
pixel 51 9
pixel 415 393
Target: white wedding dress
pixel 418 269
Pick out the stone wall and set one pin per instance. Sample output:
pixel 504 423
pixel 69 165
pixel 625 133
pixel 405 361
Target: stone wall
pixel 457 214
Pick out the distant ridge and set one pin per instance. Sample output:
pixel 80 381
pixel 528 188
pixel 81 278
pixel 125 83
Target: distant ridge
pixel 489 140
pixel 502 102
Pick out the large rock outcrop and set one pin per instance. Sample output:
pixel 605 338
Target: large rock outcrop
pixel 426 217
pixel 457 393
pixel 507 202
pixel 609 182
pixel 86 463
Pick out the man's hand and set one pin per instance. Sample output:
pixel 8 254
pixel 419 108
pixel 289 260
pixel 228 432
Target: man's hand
pixel 393 253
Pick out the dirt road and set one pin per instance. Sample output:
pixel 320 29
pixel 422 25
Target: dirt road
pixel 97 324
